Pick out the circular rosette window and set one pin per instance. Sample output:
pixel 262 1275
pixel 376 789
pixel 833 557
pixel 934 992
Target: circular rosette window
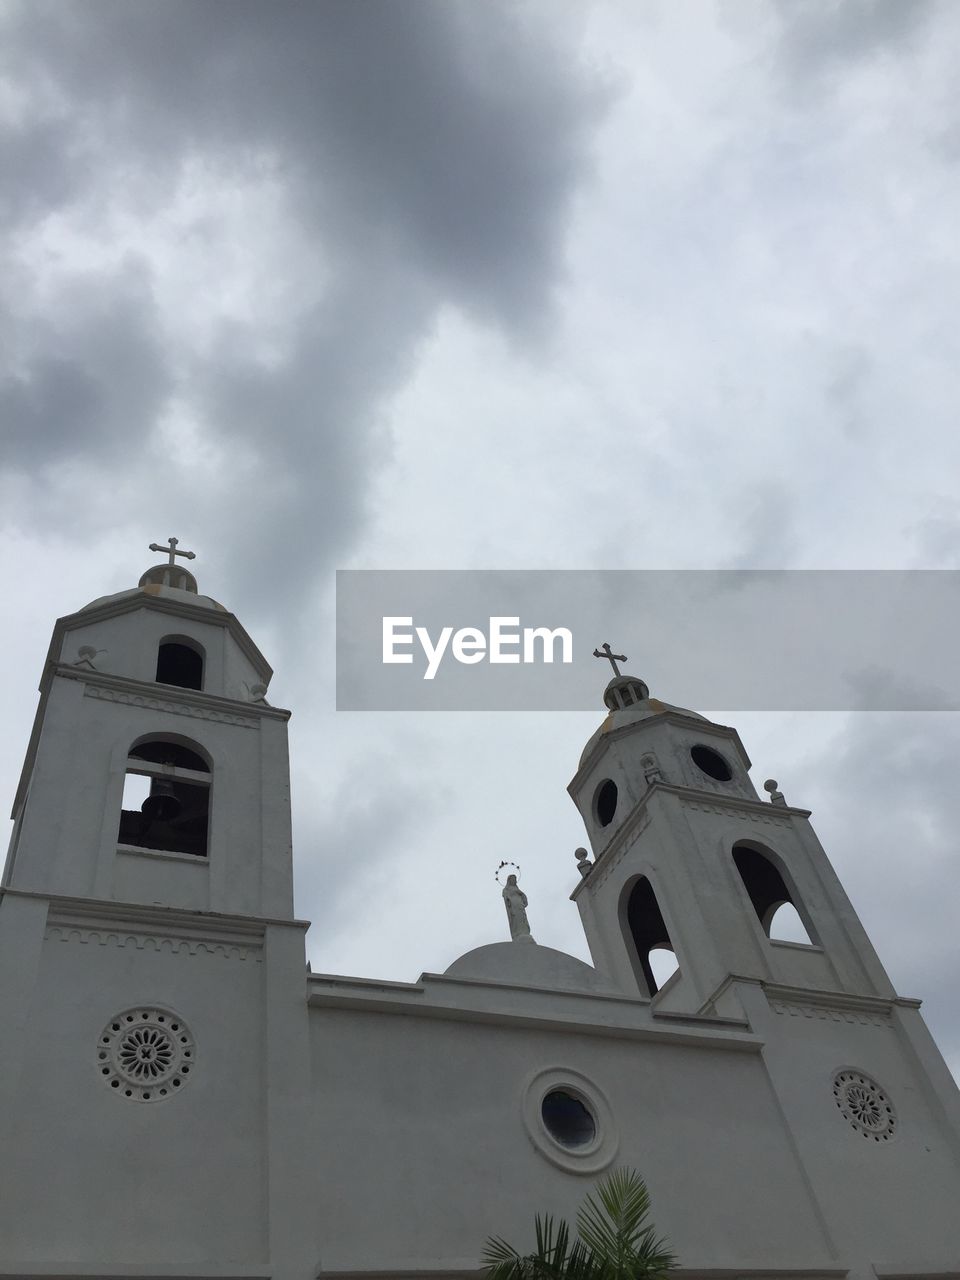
pixel 145 1054
pixel 568 1119
pixel 864 1105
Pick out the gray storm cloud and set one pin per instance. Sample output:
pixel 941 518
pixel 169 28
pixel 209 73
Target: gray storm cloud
pixel 431 151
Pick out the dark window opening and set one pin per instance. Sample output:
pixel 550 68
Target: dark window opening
pixel 768 892
pixel 164 808
pixel 179 664
pixel 567 1120
pixel 648 930
pixel 606 802
pixel 173 817
pixel 711 763
pixel 158 752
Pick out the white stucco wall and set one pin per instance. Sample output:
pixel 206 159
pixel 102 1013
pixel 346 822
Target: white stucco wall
pixel 423 1117
pixel 749 1162
pixel 89 1176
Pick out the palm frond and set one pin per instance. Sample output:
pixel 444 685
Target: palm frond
pixel 653 1257
pixel 501 1261
pixel 612 1226
pixel 614 1241
pixel 551 1260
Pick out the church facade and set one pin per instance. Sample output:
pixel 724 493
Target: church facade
pixel 179 1096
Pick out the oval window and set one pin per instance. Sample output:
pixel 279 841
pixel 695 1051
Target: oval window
pixel 711 763
pixel 567 1120
pixel 605 803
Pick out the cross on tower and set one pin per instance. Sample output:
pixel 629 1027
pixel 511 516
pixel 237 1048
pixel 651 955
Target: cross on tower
pixel 172 551
pixel 611 657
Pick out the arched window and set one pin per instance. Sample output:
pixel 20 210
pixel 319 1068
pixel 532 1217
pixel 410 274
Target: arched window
pixel 654 955
pixel 166 797
pixel 180 662
pixel 772 900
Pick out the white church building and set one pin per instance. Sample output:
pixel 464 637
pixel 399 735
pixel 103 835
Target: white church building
pixel 181 1097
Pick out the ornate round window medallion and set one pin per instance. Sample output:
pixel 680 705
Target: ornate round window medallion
pixel 145 1054
pixel 569 1120
pixel 864 1105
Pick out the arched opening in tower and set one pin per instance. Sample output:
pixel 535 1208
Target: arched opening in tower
pixel 654 951
pixel 772 900
pixel 166 798
pixel 180 662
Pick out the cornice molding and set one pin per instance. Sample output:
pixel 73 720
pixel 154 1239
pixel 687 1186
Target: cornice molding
pixel 166 943
pixel 131 695
pixel 105 913
pixel 170 932
pixel 831 1012
pixel 582 1013
pixel 763 816
pixel 713 802
pixel 840 999
pixel 834 1006
pixel 190 702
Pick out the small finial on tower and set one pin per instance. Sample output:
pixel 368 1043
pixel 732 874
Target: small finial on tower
pixel 776 796
pixel 584 865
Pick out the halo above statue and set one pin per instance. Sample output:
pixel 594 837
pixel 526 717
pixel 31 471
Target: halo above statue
pixel 497 873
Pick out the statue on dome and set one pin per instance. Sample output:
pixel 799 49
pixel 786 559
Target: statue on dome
pixel 515 901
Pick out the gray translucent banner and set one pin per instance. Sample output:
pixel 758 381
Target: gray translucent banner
pixel 748 640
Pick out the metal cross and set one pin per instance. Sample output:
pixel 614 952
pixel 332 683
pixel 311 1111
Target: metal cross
pixel 172 551
pixel 611 657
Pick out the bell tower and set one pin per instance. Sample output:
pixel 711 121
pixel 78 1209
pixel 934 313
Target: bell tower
pixel 155 1060
pixel 689 859
pixel 157 772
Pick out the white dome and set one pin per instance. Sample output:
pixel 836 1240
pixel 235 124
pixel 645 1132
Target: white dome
pixel 526 964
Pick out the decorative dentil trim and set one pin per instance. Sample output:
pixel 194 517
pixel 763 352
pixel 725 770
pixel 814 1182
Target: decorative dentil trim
pixel 174 708
pixel 767 819
pixel 152 942
pixel 832 1013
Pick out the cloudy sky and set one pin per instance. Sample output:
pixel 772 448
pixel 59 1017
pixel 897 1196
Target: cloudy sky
pixel 519 285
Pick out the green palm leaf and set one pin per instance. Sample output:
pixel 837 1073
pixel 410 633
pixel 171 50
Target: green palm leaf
pixel 615 1241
